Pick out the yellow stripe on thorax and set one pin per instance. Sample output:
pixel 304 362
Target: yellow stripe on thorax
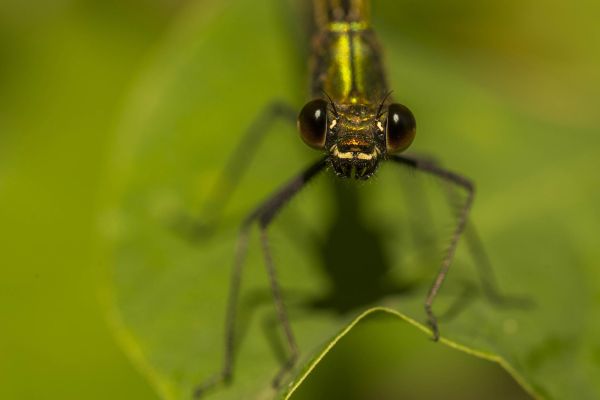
pixel 347 50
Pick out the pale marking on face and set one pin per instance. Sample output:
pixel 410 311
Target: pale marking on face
pixel 337 153
pixel 348 155
pixel 333 123
pixel 379 126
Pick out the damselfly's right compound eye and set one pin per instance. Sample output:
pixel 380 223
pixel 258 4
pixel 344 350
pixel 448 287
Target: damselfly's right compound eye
pixel 400 128
pixel 312 123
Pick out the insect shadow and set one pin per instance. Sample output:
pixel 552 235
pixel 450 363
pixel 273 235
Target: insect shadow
pixel 354 258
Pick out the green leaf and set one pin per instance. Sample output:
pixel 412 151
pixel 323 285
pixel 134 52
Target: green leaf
pixel 342 250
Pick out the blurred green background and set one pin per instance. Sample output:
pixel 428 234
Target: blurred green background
pixel 64 69
pixel 67 70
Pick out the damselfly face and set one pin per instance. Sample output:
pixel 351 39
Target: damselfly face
pixel 355 140
pixel 356 136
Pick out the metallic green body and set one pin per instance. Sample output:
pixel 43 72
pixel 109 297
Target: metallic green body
pixel 346 59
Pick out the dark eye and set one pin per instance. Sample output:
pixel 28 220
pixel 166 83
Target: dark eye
pixel 401 128
pixel 312 123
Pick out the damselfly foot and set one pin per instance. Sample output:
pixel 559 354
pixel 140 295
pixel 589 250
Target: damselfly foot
pixel 432 322
pixel 285 369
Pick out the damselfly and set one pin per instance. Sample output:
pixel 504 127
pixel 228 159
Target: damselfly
pixel 354 121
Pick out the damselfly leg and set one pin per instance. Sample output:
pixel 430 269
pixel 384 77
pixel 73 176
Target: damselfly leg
pixel 233 171
pixel 464 183
pixel 263 215
pixel 476 249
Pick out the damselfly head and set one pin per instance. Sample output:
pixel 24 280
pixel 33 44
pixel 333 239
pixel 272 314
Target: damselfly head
pixel 356 136
pixel 355 140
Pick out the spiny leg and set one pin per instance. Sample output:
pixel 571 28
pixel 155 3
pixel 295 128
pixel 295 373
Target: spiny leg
pixel 418 202
pixel 478 254
pixel 233 171
pixel 428 166
pixel 281 311
pixel 480 257
pixel 264 213
pixel 230 318
pixel 267 213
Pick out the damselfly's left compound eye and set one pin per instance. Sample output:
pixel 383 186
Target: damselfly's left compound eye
pixel 400 129
pixel 312 123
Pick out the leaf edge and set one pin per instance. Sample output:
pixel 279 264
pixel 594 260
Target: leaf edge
pixel 320 354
